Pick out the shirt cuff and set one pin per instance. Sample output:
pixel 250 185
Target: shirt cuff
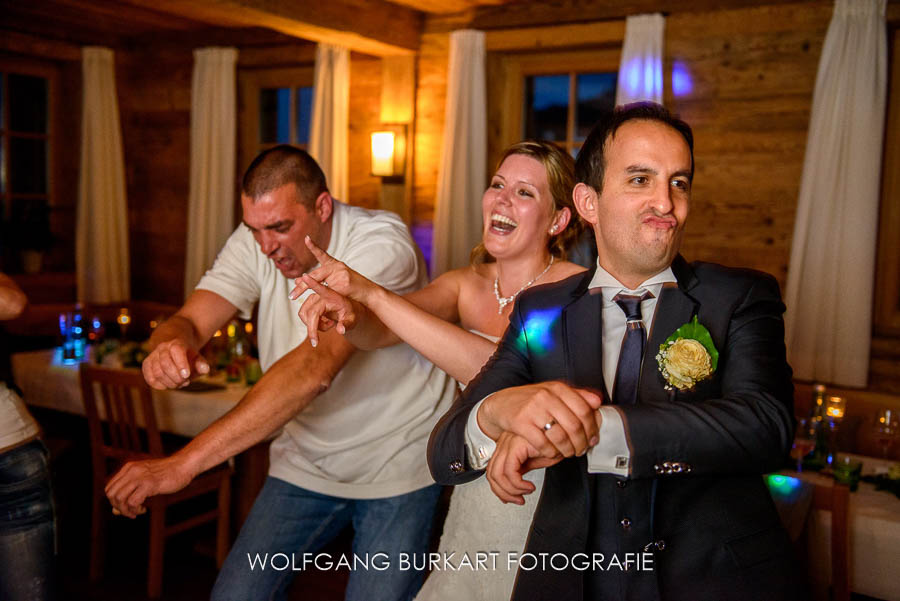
pixel 479 446
pixel 611 455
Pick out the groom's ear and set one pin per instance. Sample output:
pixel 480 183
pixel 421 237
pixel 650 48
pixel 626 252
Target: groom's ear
pixel 586 199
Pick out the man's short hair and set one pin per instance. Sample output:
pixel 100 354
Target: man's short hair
pixel 281 165
pixel 591 162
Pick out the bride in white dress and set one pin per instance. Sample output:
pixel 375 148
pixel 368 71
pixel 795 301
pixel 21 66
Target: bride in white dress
pixel 529 221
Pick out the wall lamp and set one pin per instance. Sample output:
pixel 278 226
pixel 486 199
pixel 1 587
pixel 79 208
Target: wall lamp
pixel 389 152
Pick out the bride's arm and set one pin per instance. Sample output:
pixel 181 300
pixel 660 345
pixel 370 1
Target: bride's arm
pixel 425 320
pixel 371 317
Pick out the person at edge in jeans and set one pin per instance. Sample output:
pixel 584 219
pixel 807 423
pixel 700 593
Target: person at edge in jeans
pixel 27 526
pixel 355 423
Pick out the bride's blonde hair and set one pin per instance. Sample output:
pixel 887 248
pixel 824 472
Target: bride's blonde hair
pixel 560 169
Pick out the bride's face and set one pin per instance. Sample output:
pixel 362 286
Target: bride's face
pixel 517 208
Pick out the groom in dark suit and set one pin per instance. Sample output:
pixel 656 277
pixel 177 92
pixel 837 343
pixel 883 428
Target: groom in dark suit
pixel 669 467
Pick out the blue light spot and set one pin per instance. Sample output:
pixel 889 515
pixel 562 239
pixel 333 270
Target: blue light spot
pixel 682 82
pixel 642 79
pixel 535 335
pixel 633 77
pixel 785 487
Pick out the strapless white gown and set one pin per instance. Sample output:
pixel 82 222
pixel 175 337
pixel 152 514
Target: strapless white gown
pixel 478 521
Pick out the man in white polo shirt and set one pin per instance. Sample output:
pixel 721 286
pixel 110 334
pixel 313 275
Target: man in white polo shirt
pixel 355 423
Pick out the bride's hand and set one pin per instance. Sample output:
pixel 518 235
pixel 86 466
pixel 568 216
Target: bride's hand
pixel 324 310
pixel 333 274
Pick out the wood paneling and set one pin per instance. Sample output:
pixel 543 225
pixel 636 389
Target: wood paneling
pixel 155 102
pixel 154 106
pixel 752 73
pixel 431 97
pixel 365 117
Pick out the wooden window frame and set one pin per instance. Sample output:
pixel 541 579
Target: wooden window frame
pixel 50 72
pixel 251 82
pixel 506 88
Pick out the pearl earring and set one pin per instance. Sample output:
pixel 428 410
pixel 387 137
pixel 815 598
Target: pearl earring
pixel 554 228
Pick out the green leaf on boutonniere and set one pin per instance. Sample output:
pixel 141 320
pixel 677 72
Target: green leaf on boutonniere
pixel 696 331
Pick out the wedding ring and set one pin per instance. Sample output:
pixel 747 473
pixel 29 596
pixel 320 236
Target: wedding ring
pixel 549 424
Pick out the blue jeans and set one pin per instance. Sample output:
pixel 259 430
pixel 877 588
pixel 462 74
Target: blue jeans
pixel 289 524
pixel 27 537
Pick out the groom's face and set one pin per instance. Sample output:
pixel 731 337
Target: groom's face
pixel 640 213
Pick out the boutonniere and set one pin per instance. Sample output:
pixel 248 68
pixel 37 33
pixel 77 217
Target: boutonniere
pixel 687 356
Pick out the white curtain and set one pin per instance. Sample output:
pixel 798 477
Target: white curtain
pixel 329 127
pixel 101 238
pixel 212 184
pixel 462 174
pixel 641 67
pixel 831 275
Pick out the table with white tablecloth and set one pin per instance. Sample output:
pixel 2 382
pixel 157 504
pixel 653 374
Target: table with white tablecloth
pixel 874 531
pixel 48 382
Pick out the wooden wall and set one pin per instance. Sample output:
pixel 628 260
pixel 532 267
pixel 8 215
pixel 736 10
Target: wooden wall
pixel 154 88
pixel 431 96
pixel 365 117
pixel 753 72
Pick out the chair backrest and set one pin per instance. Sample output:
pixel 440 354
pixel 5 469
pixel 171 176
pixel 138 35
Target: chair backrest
pixel 836 499
pixel 121 417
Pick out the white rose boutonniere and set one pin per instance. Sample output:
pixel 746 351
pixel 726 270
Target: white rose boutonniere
pixel 687 356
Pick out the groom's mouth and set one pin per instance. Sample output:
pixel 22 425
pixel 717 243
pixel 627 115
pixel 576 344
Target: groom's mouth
pixel 661 223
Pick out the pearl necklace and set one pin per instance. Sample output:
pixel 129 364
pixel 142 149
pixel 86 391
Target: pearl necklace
pixel 505 300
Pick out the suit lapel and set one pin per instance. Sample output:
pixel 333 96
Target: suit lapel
pixel 583 347
pixel 674 308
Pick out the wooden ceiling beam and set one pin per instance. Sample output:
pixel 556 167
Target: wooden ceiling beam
pixel 370 26
pixel 23 43
pixel 525 14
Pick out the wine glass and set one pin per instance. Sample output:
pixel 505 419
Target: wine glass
pixel 804 441
pixel 886 429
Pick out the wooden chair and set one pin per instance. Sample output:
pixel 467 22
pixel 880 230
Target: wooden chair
pixel 127 431
pixel 836 500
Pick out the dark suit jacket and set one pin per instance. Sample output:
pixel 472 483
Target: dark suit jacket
pixel 695 494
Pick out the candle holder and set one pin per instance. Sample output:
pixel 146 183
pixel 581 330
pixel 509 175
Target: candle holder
pixel 835 406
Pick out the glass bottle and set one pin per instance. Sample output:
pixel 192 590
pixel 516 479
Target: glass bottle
pixel 818 459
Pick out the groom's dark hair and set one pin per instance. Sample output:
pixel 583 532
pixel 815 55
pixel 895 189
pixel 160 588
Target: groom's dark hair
pixel 591 162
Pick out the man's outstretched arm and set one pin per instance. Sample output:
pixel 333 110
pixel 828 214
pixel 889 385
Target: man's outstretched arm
pixel 286 388
pixel 175 345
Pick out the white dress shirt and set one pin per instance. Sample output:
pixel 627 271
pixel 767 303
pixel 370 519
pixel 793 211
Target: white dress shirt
pixel 611 455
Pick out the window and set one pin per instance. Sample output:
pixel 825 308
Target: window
pixel 555 96
pixel 25 164
pixel 276 108
pixel 563 108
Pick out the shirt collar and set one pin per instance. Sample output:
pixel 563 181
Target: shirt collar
pixel 610 286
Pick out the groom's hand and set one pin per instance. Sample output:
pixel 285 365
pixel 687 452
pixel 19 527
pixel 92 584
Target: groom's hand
pixel 553 417
pixel 513 458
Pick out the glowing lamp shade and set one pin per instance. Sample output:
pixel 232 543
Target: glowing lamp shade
pixel 383 153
